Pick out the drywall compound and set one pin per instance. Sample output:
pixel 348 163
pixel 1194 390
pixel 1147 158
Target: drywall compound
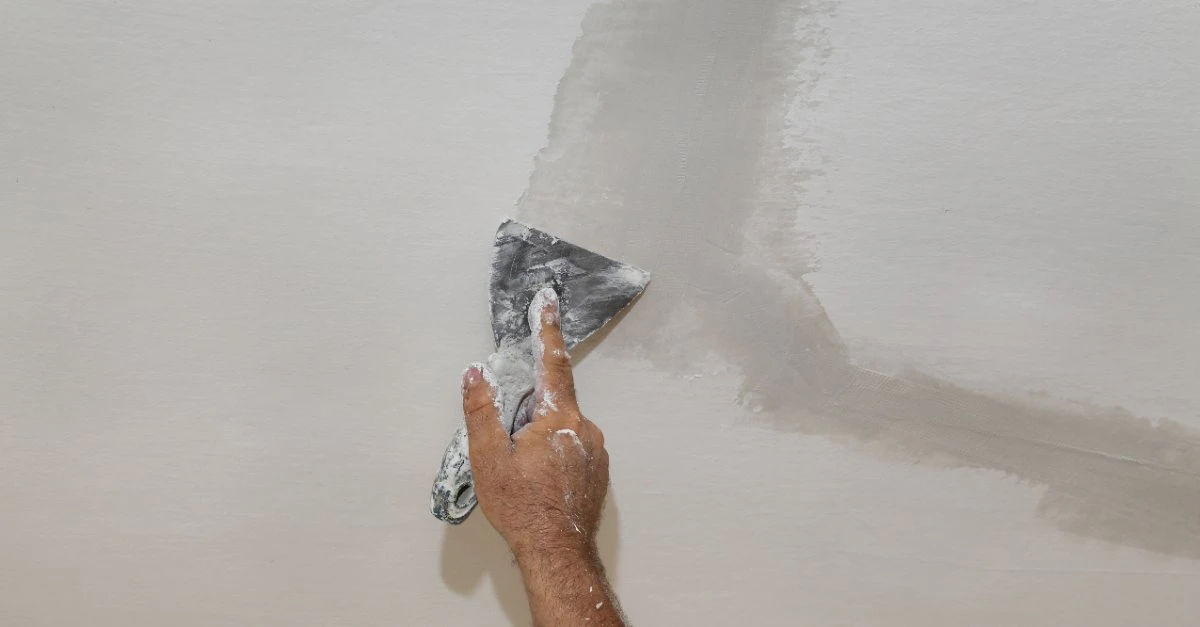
pixel 679 139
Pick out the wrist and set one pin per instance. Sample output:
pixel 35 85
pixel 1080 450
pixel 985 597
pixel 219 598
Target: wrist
pixel 549 537
pixel 566 584
pixel 539 552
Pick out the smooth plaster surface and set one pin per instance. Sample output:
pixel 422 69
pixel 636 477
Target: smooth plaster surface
pixel 243 253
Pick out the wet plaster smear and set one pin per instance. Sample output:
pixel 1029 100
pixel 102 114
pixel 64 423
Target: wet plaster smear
pixel 695 138
pixel 920 346
pixel 683 138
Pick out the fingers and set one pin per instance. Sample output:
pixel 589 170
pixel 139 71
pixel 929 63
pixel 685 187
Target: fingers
pixel 553 382
pixel 485 432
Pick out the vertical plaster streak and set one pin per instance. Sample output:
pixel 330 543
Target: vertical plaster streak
pixel 674 144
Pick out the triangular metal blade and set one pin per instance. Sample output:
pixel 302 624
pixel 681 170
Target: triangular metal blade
pixel 592 288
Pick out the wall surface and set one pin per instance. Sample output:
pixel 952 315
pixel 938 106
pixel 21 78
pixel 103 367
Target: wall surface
pixel 920 347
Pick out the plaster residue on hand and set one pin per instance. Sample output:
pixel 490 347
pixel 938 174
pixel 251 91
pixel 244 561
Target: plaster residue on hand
pixel 571 434
pixel 702 185
pixel 547 403
pixel 545 302
pixel 556 442
pixel 544 299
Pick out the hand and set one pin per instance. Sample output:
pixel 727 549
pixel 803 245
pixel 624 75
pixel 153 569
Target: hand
pixel 543 488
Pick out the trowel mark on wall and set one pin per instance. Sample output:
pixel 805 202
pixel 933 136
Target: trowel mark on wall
pixel 669 147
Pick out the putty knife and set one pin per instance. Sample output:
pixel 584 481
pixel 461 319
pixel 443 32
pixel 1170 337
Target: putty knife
pixel 591 290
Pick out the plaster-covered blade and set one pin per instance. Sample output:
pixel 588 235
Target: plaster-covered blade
pixel 592 288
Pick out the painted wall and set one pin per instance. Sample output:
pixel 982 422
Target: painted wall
pixel 920 348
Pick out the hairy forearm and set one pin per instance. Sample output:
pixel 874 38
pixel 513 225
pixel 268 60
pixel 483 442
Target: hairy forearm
pixel 567 587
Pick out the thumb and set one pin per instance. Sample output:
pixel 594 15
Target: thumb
pixel 481 407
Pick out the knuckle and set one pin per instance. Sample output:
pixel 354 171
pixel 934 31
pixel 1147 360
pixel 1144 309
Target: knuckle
pixel 594 432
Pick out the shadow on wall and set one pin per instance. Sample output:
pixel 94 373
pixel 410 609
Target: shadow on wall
pixel 472 549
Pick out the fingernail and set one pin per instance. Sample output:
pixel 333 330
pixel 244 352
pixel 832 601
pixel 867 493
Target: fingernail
pixel 545 305
pixel 472 375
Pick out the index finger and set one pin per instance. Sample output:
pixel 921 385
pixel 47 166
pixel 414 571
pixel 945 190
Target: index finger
pixel 554 384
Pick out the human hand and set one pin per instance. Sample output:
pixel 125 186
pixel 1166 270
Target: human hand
pixel 543 488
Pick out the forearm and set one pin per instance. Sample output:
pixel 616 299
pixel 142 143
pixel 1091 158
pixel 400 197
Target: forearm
pixel 567 587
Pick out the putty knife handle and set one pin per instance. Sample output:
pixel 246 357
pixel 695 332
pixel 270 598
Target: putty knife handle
pixel 453 495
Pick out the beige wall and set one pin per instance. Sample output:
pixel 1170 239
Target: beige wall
pixel 920 348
